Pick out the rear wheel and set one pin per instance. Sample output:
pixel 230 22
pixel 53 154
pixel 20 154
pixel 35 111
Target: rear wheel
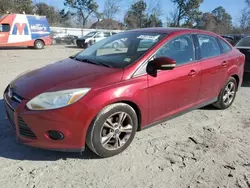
pixel 112 130
pixel 227 94
pixel 39 44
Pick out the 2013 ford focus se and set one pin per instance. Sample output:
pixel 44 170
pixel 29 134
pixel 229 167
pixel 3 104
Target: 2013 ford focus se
pixel 102 96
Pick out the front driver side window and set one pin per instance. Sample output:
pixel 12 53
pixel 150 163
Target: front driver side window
pixel 4 27
pixel 181 49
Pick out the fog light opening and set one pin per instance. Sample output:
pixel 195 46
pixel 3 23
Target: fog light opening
pixel 55 135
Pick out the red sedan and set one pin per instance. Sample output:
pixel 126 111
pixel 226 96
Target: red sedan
pixel 102 96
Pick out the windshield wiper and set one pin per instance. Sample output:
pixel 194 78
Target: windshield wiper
pixel 91 62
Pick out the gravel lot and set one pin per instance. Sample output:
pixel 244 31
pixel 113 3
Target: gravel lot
pixel 204 148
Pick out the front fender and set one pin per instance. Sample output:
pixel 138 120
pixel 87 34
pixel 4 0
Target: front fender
pixel 133 90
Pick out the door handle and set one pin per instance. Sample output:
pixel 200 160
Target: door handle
pixel 192 72
pixel 224 63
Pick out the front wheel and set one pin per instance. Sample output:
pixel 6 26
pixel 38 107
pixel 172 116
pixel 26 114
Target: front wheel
pixel 112 130
pixel 227 94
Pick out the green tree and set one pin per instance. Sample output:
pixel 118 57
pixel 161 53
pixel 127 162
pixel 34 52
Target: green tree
pixel 154 14
pixel 223 20
pixel 153 21
pixel 50 12
pixel 218 21
pixel 136 17
pixel 185 9
pixel 207 22
pixel 111 9
pixel 244 20
pixel 193 20
pixel 24 6
pixel 16 6
pixel 82 9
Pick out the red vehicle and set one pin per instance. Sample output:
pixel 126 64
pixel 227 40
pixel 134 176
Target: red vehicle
pixel 101 96
pixel 24 30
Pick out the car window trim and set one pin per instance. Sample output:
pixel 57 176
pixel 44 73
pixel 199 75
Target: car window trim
pixel 152 56
pixel 207 58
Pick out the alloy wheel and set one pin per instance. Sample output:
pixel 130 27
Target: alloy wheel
pixel 116 131
pixel 229 93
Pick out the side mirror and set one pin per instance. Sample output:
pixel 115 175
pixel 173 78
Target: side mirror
pixel 163 63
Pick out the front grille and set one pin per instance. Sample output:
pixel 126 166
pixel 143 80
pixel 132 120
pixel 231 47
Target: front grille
pixel 24 129
pixel 11 117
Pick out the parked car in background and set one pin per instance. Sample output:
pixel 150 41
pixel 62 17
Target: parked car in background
pixel 92 37
pixel 24 30
pixel 101 97
pixel 244 47
pixel 233 38
pixel 63 38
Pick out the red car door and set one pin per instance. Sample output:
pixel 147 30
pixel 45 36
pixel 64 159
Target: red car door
pixel 173 91
pixel 213 67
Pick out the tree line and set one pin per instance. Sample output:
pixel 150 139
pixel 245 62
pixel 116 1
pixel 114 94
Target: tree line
pixel 81 13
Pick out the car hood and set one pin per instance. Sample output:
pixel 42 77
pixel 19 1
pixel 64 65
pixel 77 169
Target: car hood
pixel 65 74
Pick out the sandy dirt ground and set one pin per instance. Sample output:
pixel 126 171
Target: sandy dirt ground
pixel 204 148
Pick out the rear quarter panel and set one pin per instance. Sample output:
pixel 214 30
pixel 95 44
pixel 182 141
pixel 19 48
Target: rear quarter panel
pixel 235 66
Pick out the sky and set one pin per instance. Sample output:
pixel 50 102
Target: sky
pixel 233 7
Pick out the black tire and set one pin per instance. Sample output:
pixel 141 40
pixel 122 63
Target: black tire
pixel 74 42
pixel 93 138
pixel 85 45
pixel 221 104
pixel 54 42
pixel 39 44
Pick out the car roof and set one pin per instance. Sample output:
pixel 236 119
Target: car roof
pixel 171 30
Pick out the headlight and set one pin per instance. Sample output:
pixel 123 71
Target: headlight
pixel 58 99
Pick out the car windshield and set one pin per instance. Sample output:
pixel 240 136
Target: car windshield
pixel 245 42
pixel 120 50
pixel 90 34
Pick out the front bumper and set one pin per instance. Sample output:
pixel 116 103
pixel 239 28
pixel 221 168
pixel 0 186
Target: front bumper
pixel 31 127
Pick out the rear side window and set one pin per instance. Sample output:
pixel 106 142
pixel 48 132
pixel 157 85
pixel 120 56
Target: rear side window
pixel 4 27
pixel 225 47
pixel 209 47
